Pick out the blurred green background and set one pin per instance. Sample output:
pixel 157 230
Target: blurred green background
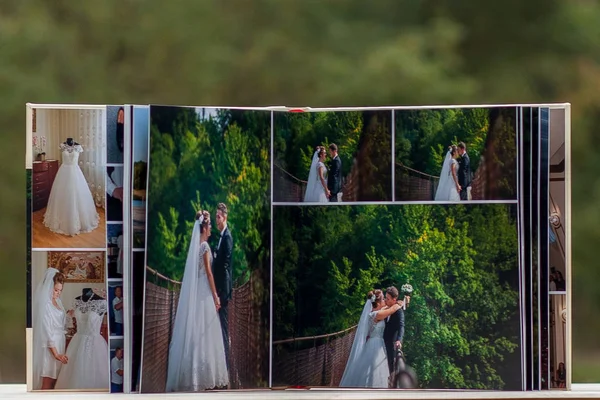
pixel 301 53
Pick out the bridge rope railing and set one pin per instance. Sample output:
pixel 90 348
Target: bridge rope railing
pixel 161 300
pixel 298 362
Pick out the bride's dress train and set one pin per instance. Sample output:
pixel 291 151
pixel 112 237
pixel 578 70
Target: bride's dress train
pixel 88 351
pixel 71 209
pixel 370 368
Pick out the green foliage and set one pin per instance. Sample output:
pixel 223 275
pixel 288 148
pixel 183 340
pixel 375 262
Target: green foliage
pixel 463 319
pixel 196 164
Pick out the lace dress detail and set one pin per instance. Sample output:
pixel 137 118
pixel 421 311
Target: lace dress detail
pixel 88 351
pixel 71 209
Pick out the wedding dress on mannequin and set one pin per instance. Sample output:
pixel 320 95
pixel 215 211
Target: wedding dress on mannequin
pixel 71 209
pixel 88 351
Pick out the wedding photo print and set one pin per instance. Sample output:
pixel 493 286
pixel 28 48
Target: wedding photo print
pixel 69 310
pixel 115 134
pixel 334 156
pixel 141 132
pixel 396 296
pixel 208 237
pixel 454 155
pixel 68 178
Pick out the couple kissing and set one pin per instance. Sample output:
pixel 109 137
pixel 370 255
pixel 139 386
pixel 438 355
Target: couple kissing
pixel 379 333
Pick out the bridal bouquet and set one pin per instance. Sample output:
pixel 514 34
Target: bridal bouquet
pixel 406 289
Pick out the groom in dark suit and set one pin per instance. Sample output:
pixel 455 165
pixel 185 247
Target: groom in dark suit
pixel 464 171
pixel 223 273
pixel 394 327
pixel 334 176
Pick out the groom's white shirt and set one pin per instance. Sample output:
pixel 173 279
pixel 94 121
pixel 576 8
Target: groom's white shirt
pixel 221 237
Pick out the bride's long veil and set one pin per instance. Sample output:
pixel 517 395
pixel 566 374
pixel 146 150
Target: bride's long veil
pixel 442 191
pixel 312 178
pixel 185 315
pixel 360 338
pixel 41 297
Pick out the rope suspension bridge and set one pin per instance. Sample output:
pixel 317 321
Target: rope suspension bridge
pixel 297 362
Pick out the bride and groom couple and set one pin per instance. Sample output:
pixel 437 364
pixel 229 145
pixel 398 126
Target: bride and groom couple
pixel 324 185
pixel 379 333
pixel 455 177
pixel 199 348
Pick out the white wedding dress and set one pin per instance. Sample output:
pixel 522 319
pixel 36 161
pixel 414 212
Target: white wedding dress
pixel 88 351
pixel 49 329
pixel 315 193
pixel 446 190
pixel 369 368
pixel 196 353
pixel 71 209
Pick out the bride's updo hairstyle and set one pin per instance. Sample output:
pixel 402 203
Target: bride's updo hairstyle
pixel 321 150
pixel 452 149
pixel 376 297
pixel 58 278
pixel 205 221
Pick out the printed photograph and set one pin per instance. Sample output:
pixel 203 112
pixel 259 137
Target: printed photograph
pixel 70 326
pixel 114 194
pixel 453 155
pixel 558 343
pixel 336 156
pixel 138 284
pixel 115 301
pixel 116 365
pixel 141 133
pixel 68 179
pixel 208 250
pixel 403 296
pixel 115 134
pixel 558 192
pixel 114 250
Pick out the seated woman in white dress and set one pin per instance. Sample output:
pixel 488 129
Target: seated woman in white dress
pixel 49 322
pixel 71 208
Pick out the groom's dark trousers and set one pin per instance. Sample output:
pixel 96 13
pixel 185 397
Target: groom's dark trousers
pixel 394 331
pixel 223 275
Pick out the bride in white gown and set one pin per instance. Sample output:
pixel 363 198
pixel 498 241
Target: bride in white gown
pixel 316 187
pixel 49 323
pixel 71 209
pixel 88 351
pixel 367 364
pixel 197 353
pixel 448 188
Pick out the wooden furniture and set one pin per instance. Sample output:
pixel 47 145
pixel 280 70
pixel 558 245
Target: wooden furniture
pixel 44 173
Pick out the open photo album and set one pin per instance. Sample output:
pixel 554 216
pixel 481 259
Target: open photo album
pixel 190 249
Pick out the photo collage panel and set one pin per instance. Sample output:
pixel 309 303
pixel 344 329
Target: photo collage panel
pixel 75 267
pixel 259 248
